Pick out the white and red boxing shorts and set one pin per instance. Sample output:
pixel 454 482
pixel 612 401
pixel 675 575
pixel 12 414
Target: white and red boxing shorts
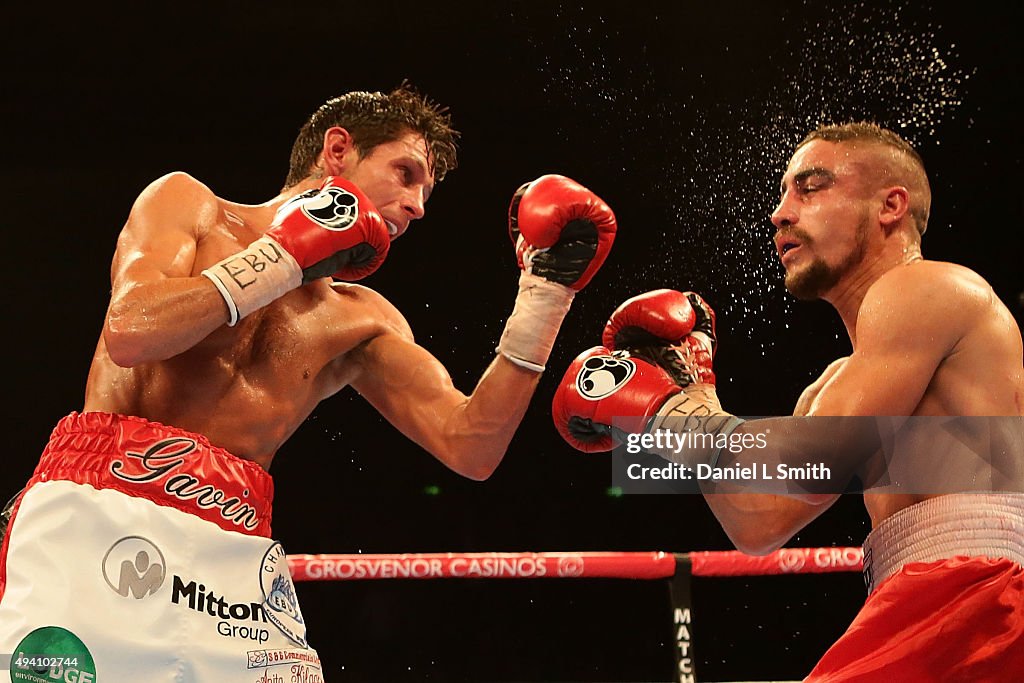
pixel 141 552
pixel 946 600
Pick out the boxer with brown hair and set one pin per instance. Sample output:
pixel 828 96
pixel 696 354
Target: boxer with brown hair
pixel 225 329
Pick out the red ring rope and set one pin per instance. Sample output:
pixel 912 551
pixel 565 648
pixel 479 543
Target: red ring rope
pixel 633 565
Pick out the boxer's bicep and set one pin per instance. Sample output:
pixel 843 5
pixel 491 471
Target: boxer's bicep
pixel 881 383
pixel 157 308
pixel 159 239
pixel 413 390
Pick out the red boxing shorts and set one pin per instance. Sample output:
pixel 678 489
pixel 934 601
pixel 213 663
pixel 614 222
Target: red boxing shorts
pixel 141 552
pixel 954 619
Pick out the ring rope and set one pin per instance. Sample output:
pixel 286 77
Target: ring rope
pixel 615 565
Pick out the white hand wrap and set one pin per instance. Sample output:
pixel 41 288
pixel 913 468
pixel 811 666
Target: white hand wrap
pixel 531 329
pixel 254 277
pixel 696 409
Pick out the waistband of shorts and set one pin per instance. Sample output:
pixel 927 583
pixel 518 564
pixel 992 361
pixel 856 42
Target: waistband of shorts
pixel 988 524
pixel 168 465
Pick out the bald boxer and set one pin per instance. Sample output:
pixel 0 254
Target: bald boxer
pixel 143 541
pixel 930 339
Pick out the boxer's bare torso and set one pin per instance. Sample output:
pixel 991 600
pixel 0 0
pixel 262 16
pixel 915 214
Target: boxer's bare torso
pixel 247 388
pixel 930 339
pixel 978 371
pixel 167 355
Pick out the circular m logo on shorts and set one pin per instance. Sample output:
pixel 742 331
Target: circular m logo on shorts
pixel 134 567
pixel 602 376
pixel 333 208
pixel 280 602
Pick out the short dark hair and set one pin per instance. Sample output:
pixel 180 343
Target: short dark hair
pixel 374 118
pixel 863 131
pixel 866 131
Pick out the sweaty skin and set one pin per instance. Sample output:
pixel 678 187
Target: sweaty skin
pixel 929 338
pixel 166 354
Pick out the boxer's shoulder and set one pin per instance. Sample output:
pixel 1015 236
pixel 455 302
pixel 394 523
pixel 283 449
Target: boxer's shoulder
pixel 177 199
pixel 937 277
pixel 181 188
pixel 922 291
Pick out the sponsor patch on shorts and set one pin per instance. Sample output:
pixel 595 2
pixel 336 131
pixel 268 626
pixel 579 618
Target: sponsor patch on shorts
pixel 52 653
pixel 282 606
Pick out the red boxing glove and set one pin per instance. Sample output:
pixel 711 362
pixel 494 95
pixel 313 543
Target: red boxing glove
pixel 703 341
pixel 663 316
pixel 334 230
pixel 671 329
pixel 562 231
pixel 601 386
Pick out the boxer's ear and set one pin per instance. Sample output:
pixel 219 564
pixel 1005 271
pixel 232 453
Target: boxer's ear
pixel 339 152
pixel 895 205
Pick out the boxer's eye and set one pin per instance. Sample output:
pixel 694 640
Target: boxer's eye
pixel 813 181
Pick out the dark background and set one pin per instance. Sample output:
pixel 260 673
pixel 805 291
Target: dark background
pixel 682 117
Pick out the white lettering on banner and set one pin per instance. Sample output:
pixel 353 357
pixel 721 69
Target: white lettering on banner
pixel 837 557
pixel 681 617
pixel 417 568
pixel 164 456
pixel 524 567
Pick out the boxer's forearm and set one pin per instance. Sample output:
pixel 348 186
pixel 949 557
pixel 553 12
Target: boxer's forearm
pixel 693 430
pixel 155 321
pixel 758 523
pixel 479 430
pixel 415 393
